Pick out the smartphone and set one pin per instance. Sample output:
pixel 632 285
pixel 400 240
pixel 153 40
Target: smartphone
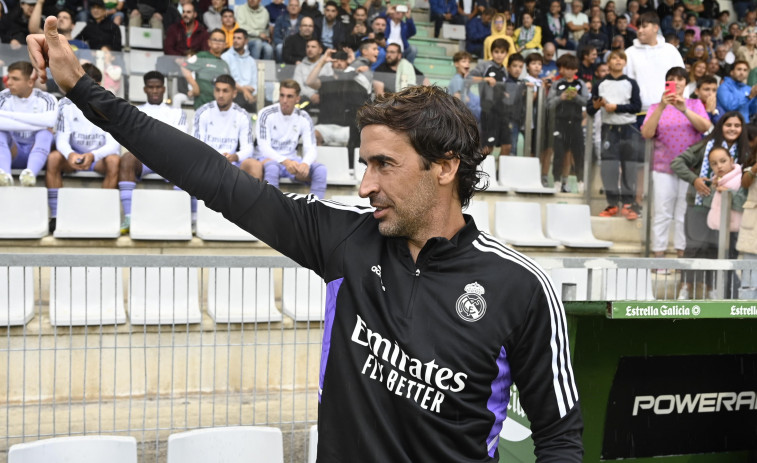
pixel 670 87
pixel 79 161
pixel 401 8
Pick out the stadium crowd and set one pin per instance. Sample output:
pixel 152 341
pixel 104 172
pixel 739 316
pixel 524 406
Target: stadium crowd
pixel 680 73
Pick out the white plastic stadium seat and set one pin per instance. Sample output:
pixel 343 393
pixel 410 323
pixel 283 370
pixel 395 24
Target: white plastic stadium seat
pixel 570 224
pixel 453 31
pixel 113 449
pixel 160 215
pixel 313 444
pixel 519 224
pixel 24 213
pixel 145 37
pixel 159 296
pixel 86 296
pixel 489 166
pixel 241 295
pixel 16 295
pixel 136 92
pixel 628 284
pixel 241 444
pixel 479 210
pixel 303 294
pixel 338 169
pixel 522 175
pixel 88 213
pixel 213 226
pixel 142 61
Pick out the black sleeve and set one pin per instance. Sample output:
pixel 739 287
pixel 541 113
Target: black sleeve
pixel 590 104
pixel 541 369
pixel 633 106
pixel 300 227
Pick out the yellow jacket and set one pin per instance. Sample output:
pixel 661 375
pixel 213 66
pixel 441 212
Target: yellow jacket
pixel 497 35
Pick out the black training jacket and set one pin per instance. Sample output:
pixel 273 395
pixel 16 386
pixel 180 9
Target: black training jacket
pixel 417 357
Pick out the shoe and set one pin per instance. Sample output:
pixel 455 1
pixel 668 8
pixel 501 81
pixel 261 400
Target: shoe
pixel 631 211
pixel 125 225
pixel 610 211
pixel 51 225
pixel 5 179
pixel 565 188
pixel 683 294
pixel 544 181
pixel 581 187
pixel 558 186
pixel 27 178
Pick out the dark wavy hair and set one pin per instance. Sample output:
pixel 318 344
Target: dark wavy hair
pixel 438 126
pixel 743 149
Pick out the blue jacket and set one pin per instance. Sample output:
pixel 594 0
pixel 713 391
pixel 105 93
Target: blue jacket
pixel 440 7
pixel 407 30
pixel 734 96
pixel 475 34
pixel 282 26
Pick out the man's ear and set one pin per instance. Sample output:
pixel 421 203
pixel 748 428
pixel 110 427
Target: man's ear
pixel 448 168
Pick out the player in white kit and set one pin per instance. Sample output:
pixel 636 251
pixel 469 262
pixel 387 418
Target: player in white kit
pixel 26 116
pixel 131 170
pixel 80 146
pixel 279 129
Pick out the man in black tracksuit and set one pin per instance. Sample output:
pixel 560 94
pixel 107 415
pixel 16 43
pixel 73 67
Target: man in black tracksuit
pixel 428 320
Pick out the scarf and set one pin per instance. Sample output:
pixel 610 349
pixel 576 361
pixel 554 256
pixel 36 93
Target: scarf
pixel 555 24
pixel 706 172
pixel 526 35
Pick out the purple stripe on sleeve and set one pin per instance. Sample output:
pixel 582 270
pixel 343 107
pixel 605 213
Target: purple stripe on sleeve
pixel 332 290
pixel 497 403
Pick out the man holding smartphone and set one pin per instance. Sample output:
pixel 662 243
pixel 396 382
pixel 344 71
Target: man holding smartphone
pixel 399 28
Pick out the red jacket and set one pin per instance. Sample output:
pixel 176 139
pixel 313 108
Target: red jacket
pixel 177 43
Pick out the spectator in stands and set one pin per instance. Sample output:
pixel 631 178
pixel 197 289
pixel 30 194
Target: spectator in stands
pixel 286 25
pixel 549 66
pixel 747 242
pixel 99 32
pixel 476 31
pixel 528 35
pixel 514 101
pixel 313 52
pixel 16 23
pixel 341 94
pixel 491 77
pixel 632 12
pixel 588 64
pixel 226 127
pixel 396 73
pixel 369 52
pixel 527 6
pixel 206 65
pixel 188 36
pixel 360 15
pixel 400 27
pixel 554 29
pixel 566 101
pixel 358 33
pixel 617 97
pixel 748 52
pixel 254 19
pixel 151 11
pixel 131 170
pixel 345 11
pixel 691 25
pixel 676 27
pixel 278 131
pixel 610 24
pixel 594 38
pixel 212 17
pixel 375 8
pixel 697 71
pixel 80 146
pixel 675 123
pixel 460 88
pixel 576 21
pixel 378 25
pixel 311 9
pixel 66 24
pixel 294 45
pixel 687 44
pixel 228 26
pixel 26 116
pixel 243 69
pixel 498 31
pixel 696 53
pixel 735 95
pixel 692 167
pixel 665 8
pixel 275 9
pixel 331 31
pixel 444 11
pixel 707 92
pixel 648 61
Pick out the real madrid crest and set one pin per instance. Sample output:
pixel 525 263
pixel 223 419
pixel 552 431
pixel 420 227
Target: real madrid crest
pixel 471 305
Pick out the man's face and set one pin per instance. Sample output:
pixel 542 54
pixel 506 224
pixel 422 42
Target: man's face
pixel 330 13
pixel 705 91
pixel 397 16
pixel 688 39
pixel 97 12
pixel 306 27
pixel 27 9
pixel 576 7
pixel 65 24
pixel 224 95
pixel 339 64
pixel 462 66
pixel 393 55
pixel 288 98
pixel 616 64
pixel 188 14
pixel 647 33
pixel 549 52
pixel 677 22
pixel 734 30
pixel 590 57
pixel 713 66
pixel 621 24
pixel 740 72
pixel 254 4
pixel 398 185
pixel 293 8
pixel 216 43
pixel 312 50
pixel 360 15
pixel 371 52
pixel 20 85
pixel 218 4
pixel 720 52
pixel 596 24
pixel 751 39
pixel 228 20
pixel 515 69
pixel 239 42
pixel 527 21
pixel 750 17
pixel 499 55
pixel 379 25
pixel 155 90
pixel 602 71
